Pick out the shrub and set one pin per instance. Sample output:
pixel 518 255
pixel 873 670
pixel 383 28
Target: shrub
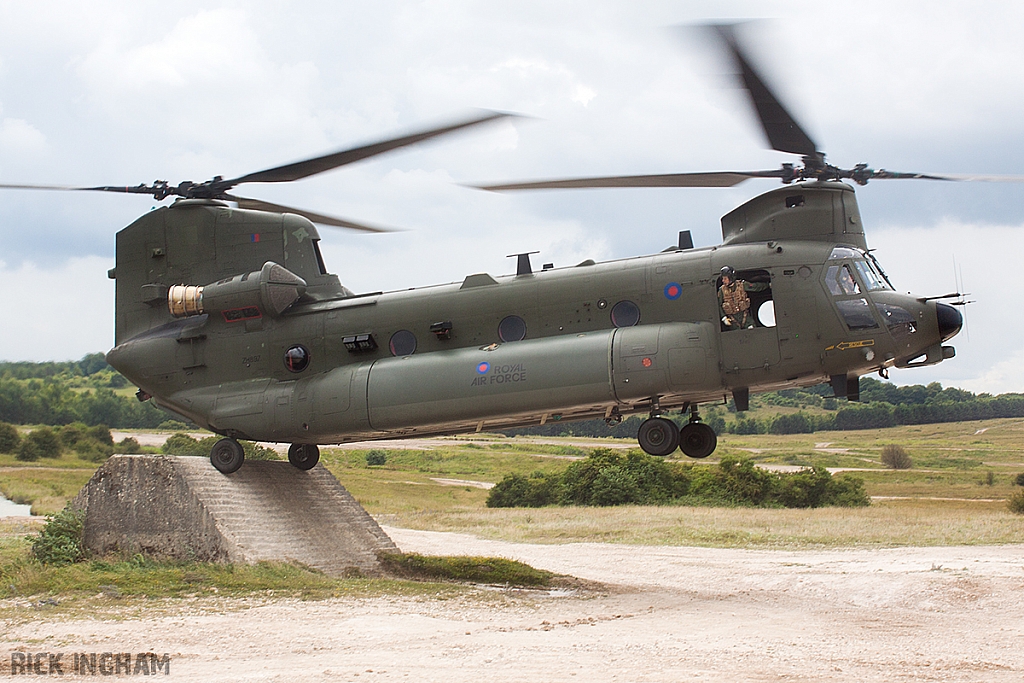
pixel 895 457
pixel 607 478
pixel 1016 503
pixel 129 446
pixel 254 451
pixel 183 444
pixel 41 443
pixel 376 458
pixel 9 438
pixel 796 423
pixel 1020 479
pixel 27 451
pixel 60 541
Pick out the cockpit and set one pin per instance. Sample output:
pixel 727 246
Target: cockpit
pixel 850 273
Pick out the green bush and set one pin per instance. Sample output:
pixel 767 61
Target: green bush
pixel 795 423
pixel 9 438
pixel 608 478
pixel 27 451
pixel 1020 479
pixel 47 442
pixel 1016 503
pixel 254 451
pixel 60 541
pixel 183 444
pixel 128 446
pixel 376 458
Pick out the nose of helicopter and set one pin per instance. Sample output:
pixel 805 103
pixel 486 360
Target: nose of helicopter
pixel 950 320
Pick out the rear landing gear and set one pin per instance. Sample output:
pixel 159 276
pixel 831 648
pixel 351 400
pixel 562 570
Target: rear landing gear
pixel 227 455
pixel 304 456
pixel 696 439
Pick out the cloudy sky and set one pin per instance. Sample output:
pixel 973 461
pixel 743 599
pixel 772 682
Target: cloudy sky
pixel 121 93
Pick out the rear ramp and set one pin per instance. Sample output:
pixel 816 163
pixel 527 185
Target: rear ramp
pixel 182 508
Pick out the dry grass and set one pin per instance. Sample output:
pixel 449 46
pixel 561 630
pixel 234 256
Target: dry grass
pixel 888 523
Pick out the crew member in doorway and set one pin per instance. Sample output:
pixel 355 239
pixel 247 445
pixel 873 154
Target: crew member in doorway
pixel 733 302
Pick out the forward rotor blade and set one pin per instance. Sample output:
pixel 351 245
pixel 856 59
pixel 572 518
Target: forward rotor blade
pixel 713 179
pixel 139 189
pixel 783 132
pixel 961 177
pixel 318 218
pixel 309 167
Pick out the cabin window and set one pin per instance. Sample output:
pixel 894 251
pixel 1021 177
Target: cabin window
pixel 512 328
pixel 296 359
pixel 749 303
pixel 625 314
pixel 403 343
pixel 857 314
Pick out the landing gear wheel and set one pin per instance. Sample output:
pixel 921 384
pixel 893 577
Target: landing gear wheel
pixel 227 455
pixel 697 440
pixel 304 456
pixel 658 436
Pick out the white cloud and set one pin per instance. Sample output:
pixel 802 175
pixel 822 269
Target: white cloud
pixel 56 313
pixel 18 136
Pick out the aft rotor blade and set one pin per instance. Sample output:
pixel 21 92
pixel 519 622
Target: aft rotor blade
pixel 318 218
pixel 309 167
pixel 783 132
pixel 713 179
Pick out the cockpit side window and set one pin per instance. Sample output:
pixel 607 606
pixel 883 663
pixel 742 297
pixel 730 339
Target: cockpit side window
pixel 857 314
pixel 840 282
pixel 872 280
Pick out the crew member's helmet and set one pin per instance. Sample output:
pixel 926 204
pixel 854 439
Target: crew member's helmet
pixel 728 272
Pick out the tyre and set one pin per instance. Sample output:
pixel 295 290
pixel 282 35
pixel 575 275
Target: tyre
pixel 304 456
pixel 227 455
pixel 658 436
pixel 697 440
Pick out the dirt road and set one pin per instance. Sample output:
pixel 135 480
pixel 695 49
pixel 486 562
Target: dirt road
pixel 666 614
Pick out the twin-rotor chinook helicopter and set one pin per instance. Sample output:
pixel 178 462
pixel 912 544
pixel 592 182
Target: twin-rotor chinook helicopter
pixel 229 317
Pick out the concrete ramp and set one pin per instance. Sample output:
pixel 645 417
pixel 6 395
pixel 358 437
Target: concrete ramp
pixel 182 508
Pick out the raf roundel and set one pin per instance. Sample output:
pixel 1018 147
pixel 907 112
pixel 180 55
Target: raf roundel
pixel 673 291
pixel 482 368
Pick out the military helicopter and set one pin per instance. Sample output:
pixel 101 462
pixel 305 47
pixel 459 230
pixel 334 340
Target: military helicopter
pixel 228 316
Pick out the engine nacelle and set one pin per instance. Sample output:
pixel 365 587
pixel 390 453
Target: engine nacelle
pixel 268 291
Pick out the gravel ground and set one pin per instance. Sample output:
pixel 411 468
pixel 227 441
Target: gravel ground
pixel 659 614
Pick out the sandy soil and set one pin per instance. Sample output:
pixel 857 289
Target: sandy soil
pixel 663 614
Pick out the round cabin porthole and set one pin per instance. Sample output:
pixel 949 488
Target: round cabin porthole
pixel 511 329
pixel 625 314
pixel 403 343
pixel 296 358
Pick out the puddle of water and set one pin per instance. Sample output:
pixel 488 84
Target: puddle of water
pixel 9 509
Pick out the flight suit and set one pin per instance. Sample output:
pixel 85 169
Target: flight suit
pixel 734 304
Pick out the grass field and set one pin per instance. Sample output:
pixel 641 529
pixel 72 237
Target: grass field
pixel 954 494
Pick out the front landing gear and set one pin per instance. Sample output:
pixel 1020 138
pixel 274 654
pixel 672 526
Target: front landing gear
pixel 696 439
pixel 304 456
pixel 227 455
pixel 658 436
